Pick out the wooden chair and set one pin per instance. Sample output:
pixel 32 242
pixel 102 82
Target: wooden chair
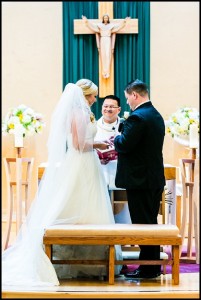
pixel 162 208
pixel 196 202
pixel 187 179
pixel 18 175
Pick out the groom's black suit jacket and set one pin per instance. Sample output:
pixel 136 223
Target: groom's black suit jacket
pixel 139 147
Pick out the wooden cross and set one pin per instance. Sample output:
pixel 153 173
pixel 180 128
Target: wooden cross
pixel 106 85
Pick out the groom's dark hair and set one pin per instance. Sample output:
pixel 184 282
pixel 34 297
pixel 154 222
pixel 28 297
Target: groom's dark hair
pixel 137 86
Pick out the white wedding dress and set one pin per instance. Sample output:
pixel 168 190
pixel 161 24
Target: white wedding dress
pixel 89 202
pixel 77 195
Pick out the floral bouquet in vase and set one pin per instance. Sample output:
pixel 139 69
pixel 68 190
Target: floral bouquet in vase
pixel 22 121
pixel 183 125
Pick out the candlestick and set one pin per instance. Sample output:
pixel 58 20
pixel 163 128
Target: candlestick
pixel 193 135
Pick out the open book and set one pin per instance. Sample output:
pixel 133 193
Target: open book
pixel 106 155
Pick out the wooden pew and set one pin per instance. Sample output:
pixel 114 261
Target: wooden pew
pixel 115 234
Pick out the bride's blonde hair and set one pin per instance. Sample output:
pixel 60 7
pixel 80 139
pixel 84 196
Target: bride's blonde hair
pixel 87 86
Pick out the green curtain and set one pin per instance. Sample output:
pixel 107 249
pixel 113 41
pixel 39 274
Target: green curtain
pixel 80 57
pixel 132 51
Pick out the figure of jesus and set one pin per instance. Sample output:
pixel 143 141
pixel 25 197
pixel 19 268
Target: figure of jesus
pixel 105 39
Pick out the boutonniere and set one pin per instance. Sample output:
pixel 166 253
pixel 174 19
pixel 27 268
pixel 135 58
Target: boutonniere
pixel 126 115
pixel 122 120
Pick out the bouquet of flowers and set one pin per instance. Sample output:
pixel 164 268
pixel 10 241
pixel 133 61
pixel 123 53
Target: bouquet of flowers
pixel 22 120
pixel 178 124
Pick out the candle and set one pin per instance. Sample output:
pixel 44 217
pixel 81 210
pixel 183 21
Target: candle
pixel 193 135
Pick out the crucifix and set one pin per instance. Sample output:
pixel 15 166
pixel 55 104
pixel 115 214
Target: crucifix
pixel 106 84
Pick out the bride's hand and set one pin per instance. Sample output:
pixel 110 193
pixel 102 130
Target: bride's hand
pixel 101 145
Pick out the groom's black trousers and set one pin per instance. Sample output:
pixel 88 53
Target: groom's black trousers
pixel 144 207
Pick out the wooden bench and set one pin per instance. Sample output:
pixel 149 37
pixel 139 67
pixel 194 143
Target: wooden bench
pixel 115 234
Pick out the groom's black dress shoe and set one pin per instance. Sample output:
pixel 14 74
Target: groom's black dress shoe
pixel 139 274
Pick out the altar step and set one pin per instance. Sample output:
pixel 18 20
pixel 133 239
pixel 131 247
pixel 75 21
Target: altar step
pixel 157 288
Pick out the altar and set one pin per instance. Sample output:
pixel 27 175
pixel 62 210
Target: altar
pixel 118 196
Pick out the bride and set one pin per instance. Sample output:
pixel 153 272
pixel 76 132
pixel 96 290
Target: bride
pixel 72 190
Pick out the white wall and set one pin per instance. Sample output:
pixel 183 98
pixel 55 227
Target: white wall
pixel 174 55
pixel 174 63
pixel 32 66
pixel 31 69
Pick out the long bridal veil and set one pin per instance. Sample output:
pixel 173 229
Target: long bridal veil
pixel 25 263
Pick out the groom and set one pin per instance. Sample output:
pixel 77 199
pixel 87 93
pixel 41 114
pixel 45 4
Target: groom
pixel 140 167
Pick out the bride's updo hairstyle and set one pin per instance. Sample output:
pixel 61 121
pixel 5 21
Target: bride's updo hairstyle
pixel 87 86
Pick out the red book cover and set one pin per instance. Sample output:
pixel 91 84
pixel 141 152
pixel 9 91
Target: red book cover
pixel 106 155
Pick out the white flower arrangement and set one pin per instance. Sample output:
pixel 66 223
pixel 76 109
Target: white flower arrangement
pixel 126 115
pixel 178 124
pixel 22 121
